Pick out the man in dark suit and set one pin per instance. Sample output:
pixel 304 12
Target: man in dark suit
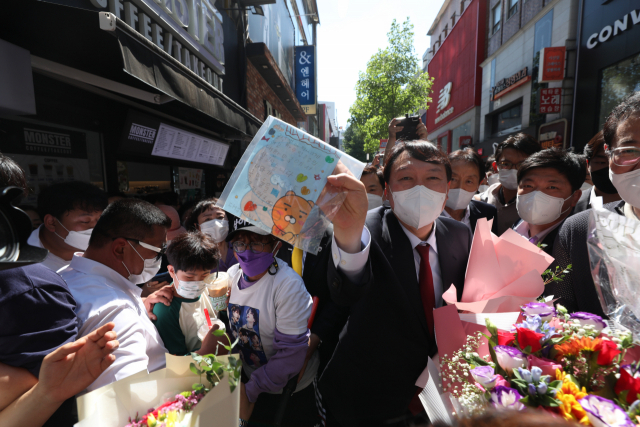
pixel 392 274
pixel 549 184
pixel 468 171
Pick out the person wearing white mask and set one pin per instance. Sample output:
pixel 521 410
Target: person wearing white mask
pixel 621 133
pixel 125 250
pixel 549 184
pixel 467 173
pixel 509 156
pixel 213 221
pixel 373 180
pixel 69 211
pixel 192 256
pixel 399 260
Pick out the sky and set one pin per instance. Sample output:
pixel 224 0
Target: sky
pixel 351 31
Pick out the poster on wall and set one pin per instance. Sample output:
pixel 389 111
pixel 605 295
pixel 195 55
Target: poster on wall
pixel 189 178
pixel 47 154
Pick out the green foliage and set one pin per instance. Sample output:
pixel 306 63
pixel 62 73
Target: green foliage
pixel 556 275
pixel 354 143
pixel 214 369
pixel 393 85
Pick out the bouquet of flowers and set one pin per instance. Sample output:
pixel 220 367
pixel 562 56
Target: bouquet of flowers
pixel 572 365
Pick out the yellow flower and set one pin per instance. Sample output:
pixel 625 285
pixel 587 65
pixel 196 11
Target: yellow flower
pixel 568 395
pixel 575 346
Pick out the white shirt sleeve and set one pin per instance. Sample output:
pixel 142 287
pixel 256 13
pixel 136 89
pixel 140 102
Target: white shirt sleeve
pixel 352 265
pixel 293 305
pixel 131 355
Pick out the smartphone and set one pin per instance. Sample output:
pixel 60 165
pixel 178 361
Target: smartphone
pixel 163 277
pixel 410 125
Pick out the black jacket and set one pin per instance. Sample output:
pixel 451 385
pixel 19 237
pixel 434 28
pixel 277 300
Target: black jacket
pixel 577 291
pixel 584 203
pixel 371 376
pixel 479 210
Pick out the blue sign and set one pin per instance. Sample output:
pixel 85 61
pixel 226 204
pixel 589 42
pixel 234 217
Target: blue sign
pixel 305 59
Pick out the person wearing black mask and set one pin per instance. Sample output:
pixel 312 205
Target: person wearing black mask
pixel 598 168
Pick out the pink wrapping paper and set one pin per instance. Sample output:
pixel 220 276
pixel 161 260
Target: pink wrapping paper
pixel 503 273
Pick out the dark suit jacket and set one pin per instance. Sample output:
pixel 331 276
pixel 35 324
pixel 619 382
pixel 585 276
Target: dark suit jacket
pixel 479 210
pixel 548 240
pixel 576 290
pixel 330 318
pixel 583 204
pixel 371 376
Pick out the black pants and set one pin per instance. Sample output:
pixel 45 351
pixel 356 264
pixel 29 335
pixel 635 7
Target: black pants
pixel 301 410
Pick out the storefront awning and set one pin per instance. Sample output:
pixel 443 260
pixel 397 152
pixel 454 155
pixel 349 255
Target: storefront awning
pixel 120 59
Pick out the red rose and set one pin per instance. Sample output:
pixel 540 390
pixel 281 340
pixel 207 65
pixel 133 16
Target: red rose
pixel 527 337
pixel 608 351
pixel 505 338
pixel 628 382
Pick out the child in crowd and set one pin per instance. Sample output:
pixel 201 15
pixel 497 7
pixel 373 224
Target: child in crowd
pixel 191 257
pixel 269 308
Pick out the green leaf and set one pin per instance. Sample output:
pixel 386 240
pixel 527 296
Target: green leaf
pixel 232 361
pixel 194 369
pixel 555 384
pixel 197 386
pixel 527 349
pixel 218 332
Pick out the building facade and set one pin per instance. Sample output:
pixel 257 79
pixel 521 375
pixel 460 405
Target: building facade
pixel 516 94
pixel 453 117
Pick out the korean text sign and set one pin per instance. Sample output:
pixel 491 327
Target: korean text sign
pixel 550 100
pixel 305 60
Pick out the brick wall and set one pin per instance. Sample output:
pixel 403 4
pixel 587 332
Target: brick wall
pixel 258 91
pixel 511 24
pixel 494 40
pixel 530 9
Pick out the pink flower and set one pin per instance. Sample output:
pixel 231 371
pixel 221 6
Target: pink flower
pixel 501 381
pixel 548 366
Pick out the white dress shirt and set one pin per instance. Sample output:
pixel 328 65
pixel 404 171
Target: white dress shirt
pixel 103 295
pixel 52 261
pixel 523 230
pixel 466 219
pixel 593 195
pixel 352 265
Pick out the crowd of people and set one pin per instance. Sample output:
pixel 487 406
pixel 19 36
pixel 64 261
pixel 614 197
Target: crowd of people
pixel 125 279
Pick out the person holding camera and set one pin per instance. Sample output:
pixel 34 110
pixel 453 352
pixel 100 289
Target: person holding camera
pixel 397 132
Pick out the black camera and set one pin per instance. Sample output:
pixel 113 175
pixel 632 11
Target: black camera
pixel 15 228
pixel 409 131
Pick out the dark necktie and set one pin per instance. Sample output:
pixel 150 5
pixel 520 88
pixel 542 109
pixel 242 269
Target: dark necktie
pixel 425 281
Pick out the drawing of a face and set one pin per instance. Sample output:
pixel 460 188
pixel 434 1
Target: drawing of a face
pixel 289 215
pixel 235 315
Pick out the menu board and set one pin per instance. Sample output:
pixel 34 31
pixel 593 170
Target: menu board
pixel 179 144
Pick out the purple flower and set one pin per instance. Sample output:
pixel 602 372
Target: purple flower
pixel 505 397
pixel 543 310
pixel 586 319
pixel 484 375
pixel 604 413
pixel 510 358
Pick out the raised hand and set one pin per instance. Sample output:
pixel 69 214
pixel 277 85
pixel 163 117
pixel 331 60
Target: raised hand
pixel 163 295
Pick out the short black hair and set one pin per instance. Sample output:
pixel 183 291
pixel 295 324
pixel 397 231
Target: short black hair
pixel 62 197
pixel 193 250
pixel 130 218
pixel 624 110
pixel 521 142
pixel 488 164
pixel 593 146
pixel 420 150
pixel 11 174
pixel 573 166
pixel 469 155
pixel 192 222
pixel 374 170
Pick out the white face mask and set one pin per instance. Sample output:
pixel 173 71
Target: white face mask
pixel 216 228
pixel 483 188
pixel 375 201
pixel 76 239
pixel 189 290
pixel 508 178
pixel 628 186
pixel 538 208
pixel 151 267
pixel 459 198
pixel 418 206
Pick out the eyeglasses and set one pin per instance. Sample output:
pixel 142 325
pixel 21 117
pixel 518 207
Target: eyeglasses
pixel 625 156
pixel 505 164
pixel 161 251
pixel 256 247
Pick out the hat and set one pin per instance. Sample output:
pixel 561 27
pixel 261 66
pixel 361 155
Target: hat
pixel 236 224
pixel 176 229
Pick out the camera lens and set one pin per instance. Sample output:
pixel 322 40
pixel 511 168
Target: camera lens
pixel 9 244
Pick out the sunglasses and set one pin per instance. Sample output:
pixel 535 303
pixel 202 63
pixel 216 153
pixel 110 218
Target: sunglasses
pixel 160 251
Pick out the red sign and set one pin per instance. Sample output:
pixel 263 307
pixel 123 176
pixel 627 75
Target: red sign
pixel 551 66
pixel 455 67
pixel 550 100
pixel 553 134
pixel 383 143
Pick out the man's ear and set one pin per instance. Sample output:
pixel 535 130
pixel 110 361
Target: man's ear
pixel 117 248
pixel 49 222
pixel 576 197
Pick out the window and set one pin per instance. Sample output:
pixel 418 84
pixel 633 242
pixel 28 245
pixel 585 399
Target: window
pixel 507 119
pixel 496 15
pixel 453 20
pixel 461 131
pixel 513 7
pixel 616 83
pixel 461 7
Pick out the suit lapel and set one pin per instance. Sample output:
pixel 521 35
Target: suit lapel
pixel 447 258
pixel 474 214
pixel 399 252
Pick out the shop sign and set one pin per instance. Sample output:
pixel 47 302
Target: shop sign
pixel 550 100
pixel 305 59
pixel 551 66
pixel 383 143
pixel 188 30
pixel 444 115
pixel 443 101
pixel 628 21
pixel 27 138
pixel 505 86
pixel 553 134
